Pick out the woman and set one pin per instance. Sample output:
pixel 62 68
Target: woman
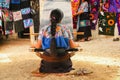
pixel 83 24
pixel 53 38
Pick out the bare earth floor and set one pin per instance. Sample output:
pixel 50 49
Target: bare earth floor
pixel 101 56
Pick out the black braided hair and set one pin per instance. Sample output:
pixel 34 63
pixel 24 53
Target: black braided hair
pixel 56 16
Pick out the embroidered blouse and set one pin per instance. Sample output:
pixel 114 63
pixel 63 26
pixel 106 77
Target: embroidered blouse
pixel 62 36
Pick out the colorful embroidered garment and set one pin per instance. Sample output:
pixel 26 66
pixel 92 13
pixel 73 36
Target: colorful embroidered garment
pixel 94 13
pixel 1 19
pixel 28 23
pixel 26 13
pixel 62 36
pixel 15 5
pixel 17 16
pixel 118 22
pixel 112 7
pixel 106 23
pixel 8 16
pixel 117 4
pixel 5 4
pixel 8 22
pixel 75 5
pixel 105 4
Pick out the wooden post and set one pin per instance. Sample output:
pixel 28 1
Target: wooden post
pixel 32 37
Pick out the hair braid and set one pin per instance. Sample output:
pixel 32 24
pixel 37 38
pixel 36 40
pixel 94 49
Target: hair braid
pixel 56 16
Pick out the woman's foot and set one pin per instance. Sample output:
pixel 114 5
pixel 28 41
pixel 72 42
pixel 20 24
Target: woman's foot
pixel 88 39
pixel 82 40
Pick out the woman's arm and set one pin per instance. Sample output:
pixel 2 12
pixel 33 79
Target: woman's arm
pixel 73 44
pixel 37 45
pixel 78 13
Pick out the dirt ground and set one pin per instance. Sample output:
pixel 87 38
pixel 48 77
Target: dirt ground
pixel 101 56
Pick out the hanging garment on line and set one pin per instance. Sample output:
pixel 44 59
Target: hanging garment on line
pixel 25 3
pixel 118 22
pixel 19 26
pixel 106 23
pixel 28 22
pixel 15 5
pixel 17 16
pixel 94 13
pixel 26 13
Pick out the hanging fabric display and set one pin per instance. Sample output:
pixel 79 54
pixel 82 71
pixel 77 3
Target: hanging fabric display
pixel 105 4
pixel 5 4
pixel 0 19
pixel 15 5
pixel 112 6
pixel 8 20
pixel 26 13
pixel 28 23
pixel 1 24
pixel 106 23
pixel 19 26
pixel 18 22
pixel 118 22
pixel 75 5
pixel 0 4
pixel 25 3
pixel 17 16
pixel 117 5
pixel 94 13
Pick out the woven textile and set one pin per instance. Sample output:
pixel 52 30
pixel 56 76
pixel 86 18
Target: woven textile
pixel 17 16
pixel 106 23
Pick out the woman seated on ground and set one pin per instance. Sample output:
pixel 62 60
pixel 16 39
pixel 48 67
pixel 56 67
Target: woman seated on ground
pixel 54 38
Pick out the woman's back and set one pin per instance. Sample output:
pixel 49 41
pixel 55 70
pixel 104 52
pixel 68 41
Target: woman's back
pixel 62 36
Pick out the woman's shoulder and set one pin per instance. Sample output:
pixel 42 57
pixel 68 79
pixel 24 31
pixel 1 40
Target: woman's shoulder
pixel 62 26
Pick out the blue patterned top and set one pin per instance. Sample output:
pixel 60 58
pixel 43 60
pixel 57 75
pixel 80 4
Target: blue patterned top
pixel 62 36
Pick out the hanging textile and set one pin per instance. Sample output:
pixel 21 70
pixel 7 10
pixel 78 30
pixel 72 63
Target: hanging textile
pixel 75 5
pixel 17 16
pixel 117 4
pixel 8 21
pixel 18 22
pixel 5 4
pixel 118 22
pixel 19 26
pixel 106 23
pixel 25 3
pixel 26 13
pixel 1 24
pixel 105 4
pixel 112 7
pixel 94 13
pixel 15 5
pixel 0 19
pixel 28 23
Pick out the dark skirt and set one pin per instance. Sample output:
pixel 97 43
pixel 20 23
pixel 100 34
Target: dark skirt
pixel 86 29
pixel 55 67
